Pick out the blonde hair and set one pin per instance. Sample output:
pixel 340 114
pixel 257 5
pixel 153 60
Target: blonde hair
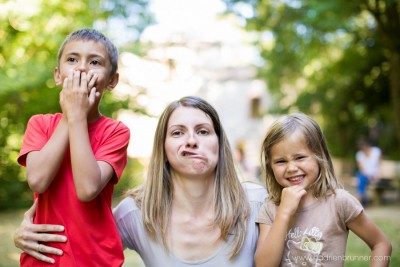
pixel 155 196
pixel 283 127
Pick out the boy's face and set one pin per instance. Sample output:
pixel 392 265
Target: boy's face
pixel 85 56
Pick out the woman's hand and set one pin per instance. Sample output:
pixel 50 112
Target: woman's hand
pixel 30 237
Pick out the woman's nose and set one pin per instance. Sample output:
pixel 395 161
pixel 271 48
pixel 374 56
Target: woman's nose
pixel 191 140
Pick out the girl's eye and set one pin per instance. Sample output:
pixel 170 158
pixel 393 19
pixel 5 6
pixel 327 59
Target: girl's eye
pixel 279 161
pixel 300 157
pixel 71 59
pixel 95 62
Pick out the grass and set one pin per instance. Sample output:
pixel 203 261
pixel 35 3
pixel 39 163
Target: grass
pixel 387 217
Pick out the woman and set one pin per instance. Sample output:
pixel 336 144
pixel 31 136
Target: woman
pixel 192 209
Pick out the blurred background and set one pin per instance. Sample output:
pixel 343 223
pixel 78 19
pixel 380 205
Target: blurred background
pixel 335 60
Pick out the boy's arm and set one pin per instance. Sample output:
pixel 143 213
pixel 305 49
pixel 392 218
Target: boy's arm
pixel 90 176
pixel 380 246
pixel 271 241
pixel 42 166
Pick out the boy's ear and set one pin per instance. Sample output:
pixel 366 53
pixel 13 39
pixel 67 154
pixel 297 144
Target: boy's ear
pixel 113 81
pixel 57 76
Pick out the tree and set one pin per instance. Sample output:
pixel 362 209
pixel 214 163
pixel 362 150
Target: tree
pixel 30 38
pixel 337 60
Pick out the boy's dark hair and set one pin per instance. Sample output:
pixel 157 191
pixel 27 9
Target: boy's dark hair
pixel 93 35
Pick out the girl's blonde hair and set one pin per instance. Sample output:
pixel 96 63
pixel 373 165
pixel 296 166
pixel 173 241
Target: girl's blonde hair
pixel 231 206
pixel 282 128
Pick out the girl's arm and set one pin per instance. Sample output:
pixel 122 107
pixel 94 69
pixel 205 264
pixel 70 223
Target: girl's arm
pixel 367 230
pixel 271 241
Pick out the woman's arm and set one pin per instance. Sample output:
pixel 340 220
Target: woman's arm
pixel 369 232
pixel 30 237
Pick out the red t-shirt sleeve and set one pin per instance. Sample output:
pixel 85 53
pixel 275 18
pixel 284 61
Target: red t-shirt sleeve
pixel 38 132
pixel 113 149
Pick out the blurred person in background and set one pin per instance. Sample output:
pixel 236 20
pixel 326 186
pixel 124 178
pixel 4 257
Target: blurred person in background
pixel 368 160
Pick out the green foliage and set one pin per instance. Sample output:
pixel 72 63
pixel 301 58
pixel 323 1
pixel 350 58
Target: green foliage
pixel 132 176
pixel 333 60
pixel 30 37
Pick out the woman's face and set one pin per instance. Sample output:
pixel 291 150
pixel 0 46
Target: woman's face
pixel 191 144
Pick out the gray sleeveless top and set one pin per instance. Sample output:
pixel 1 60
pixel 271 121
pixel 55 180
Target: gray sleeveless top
pixel 128 218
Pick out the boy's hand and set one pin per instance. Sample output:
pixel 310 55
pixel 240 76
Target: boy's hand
pixel 78 95
pixel 91 79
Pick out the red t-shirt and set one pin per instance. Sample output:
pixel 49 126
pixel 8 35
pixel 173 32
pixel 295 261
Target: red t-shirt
pixel 93 238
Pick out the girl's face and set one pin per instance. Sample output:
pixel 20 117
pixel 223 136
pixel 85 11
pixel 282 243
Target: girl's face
pixel 191 144
pixel 293 163
pixel 86 56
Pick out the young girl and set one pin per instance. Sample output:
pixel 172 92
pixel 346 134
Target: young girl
pixel 306 220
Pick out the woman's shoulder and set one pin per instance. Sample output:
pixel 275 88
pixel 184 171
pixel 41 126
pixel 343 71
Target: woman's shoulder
pixel 126 206
pixel 255 192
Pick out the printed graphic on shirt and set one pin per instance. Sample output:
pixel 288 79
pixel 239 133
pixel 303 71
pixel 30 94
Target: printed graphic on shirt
pixel 303 246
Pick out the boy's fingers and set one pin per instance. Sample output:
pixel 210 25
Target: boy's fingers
pixel 83 81
pixel 92 96
pixel 69 82
pixel 92 81
pixel 76 80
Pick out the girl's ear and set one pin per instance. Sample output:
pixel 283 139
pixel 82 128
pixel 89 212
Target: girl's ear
pixel 113 81
pixel 57 76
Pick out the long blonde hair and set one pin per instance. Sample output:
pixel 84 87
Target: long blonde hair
pixel 154 197
pixel 315 140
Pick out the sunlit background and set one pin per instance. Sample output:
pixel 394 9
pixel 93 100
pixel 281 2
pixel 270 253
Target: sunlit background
pixel 196 52
pixel 336 60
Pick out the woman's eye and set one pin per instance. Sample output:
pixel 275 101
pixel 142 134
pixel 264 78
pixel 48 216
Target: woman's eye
pixel 202 132
pixel 176 133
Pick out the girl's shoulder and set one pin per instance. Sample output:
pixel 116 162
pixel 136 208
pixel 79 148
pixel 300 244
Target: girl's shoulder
pixel 342 194
pixel 347 205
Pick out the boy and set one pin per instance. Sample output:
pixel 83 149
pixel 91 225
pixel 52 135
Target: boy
pixel 73 159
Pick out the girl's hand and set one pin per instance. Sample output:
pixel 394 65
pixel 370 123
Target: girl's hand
pixel 30 237
pixel 290 199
